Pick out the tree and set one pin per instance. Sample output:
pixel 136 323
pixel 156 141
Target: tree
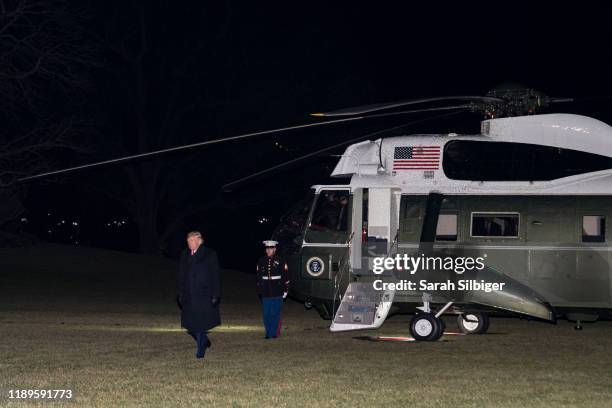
pixel 155 77
pixel 44 57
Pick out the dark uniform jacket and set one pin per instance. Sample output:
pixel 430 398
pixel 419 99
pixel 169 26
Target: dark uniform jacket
pixel 272 276
pixel 198 284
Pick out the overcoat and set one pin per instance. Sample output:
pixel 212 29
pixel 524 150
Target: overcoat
pixel 198 284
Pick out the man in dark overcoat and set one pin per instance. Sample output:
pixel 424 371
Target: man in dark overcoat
pixel 199 291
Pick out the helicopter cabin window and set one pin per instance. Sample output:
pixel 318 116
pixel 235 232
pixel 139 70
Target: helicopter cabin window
pixel 593 228
pixel 503 225
pixel 330 217
pixel 447 227
pixel 506 161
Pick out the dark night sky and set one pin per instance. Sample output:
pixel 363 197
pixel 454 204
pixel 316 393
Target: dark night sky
pixel 267 66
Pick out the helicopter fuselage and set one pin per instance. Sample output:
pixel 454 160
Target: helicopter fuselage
pixel 533 195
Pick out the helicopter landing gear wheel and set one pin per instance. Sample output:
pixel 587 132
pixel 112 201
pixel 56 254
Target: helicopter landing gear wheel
pixel 426 327
pixel 473 323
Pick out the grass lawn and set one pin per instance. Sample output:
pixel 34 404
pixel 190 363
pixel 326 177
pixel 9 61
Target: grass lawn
pixel 104 324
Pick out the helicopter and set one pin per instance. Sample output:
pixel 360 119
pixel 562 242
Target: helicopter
pixel 530 194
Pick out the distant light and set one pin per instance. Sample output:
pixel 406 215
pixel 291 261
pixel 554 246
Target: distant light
pixel 49 232
pixel 24 219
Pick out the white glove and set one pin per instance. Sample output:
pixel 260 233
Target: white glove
pixel 284 295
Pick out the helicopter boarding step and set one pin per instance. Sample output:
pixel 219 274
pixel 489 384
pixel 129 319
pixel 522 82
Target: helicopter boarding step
pixel 362 307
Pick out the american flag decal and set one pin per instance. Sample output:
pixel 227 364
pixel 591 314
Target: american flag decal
pixel 416 158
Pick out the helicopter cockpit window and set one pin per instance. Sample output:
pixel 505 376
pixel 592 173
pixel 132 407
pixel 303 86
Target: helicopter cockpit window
pixel 290 231
pixel 593 228
pixel 330 218
pixel 447 227
pixel 505 225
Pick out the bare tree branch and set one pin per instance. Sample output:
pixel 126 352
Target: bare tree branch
pixel 45 56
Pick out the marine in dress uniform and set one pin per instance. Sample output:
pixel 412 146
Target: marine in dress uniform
pixel 272 287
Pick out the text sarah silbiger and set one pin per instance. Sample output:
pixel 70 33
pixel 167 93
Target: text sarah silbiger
pixel 412 264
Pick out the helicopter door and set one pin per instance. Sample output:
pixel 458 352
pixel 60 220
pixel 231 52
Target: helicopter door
pixel 359 227
pixel 363 306
pixel 383 209
pixel 326 239
pixel 375 223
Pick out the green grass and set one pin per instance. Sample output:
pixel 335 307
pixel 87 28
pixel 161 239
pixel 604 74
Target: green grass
pixel 67 322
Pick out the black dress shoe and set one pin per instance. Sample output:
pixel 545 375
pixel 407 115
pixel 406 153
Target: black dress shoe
pixel 200 352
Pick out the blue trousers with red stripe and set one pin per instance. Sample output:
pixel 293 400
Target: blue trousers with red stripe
pixel 272 315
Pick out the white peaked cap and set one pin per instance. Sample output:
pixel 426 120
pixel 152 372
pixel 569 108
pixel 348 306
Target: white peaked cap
pixel 270 243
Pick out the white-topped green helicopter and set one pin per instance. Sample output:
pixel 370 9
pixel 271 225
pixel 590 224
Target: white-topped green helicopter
pixel 531 194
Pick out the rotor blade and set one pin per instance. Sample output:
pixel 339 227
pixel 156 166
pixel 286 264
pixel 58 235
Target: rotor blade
pixel 582 99
pixel 360 110
pixel 405 112
pixel 232 138
pixel 189 146
pixel 229 186
pixel 560 100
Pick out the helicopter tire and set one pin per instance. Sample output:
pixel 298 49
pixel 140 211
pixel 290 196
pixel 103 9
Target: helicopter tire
pixel 426 327
pixel 473 323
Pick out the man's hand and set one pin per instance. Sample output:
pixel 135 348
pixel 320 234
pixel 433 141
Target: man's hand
pixel 285 295
pixel 215 301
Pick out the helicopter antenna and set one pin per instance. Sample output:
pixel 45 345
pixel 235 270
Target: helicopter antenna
pixel 229 187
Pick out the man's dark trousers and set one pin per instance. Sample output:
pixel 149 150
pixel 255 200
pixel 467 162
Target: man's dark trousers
pixel 271 314
pixel 202 341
